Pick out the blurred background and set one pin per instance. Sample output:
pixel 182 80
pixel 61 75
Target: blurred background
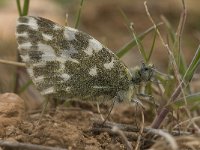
pixel 101 19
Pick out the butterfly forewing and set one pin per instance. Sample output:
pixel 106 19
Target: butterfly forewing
pixel 66 63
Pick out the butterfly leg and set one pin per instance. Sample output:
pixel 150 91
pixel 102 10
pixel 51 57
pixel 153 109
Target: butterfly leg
pixel 141 95
pixel 109 111
pixel 98 109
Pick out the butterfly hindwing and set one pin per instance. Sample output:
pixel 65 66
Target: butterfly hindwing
pixel 65 62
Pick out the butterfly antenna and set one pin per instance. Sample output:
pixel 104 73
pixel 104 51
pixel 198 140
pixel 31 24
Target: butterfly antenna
pixel 162 74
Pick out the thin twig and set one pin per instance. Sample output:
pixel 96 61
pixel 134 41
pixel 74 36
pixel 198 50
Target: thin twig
pixel 7 62
pixel 116 130
pixel 187 121
pixel 27 146
pixel 17 64
pixel 170 139
pixel 130 136
pixel 131 128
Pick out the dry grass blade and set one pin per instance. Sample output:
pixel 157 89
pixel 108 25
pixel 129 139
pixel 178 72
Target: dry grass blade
pixel 184 142
pixel 140 132
pixel 172 59
pixel 187 121
pixel 116 130
pixel 168 137
pixel 164 110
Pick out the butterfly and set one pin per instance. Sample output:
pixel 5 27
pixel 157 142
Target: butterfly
pixel 66 63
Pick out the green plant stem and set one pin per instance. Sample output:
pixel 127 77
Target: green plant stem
pixel 25 8
pixel 78 15
pixel 19 7
pixel 152 47
pixel 121 52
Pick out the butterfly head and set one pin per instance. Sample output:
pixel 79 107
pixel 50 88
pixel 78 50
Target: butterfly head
pixel 142 74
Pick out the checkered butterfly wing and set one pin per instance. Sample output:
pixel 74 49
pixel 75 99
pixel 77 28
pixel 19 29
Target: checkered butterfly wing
pixel 66 63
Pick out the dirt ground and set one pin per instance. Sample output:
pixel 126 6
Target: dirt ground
pixel 79 126
pixel 71 127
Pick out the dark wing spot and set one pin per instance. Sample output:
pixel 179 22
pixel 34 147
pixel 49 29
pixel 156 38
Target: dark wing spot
pixel 81 41
pixel 34 36
pixel 23 19
pixel 22 40
pixel 45 23
pixel 80 36
pixel 103 56
pixel 64 44
pixel 22 28
pixel 53 65
pixel 35 56
pixel 50 69
pixel 49 81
